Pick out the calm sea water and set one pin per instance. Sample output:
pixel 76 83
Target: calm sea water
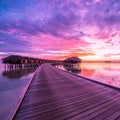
pixel 13 82
pixel 12 85
pixel 108 73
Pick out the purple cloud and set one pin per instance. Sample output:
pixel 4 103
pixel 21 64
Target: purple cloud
pixel 85 21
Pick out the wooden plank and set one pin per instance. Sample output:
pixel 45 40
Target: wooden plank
pixel 55 94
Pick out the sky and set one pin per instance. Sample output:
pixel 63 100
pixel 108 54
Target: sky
pixel 58 29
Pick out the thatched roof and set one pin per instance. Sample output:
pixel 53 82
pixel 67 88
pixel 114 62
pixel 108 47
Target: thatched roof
pixel 72 59
pixel 16 57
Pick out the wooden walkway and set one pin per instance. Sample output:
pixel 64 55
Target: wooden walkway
pixel 57 95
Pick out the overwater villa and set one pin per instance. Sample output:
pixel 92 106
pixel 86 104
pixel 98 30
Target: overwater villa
pixel 20 61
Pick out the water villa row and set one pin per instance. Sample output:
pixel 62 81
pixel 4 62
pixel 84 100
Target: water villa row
pixel 16 61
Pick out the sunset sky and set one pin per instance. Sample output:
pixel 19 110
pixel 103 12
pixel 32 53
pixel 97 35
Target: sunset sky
pixel 57 29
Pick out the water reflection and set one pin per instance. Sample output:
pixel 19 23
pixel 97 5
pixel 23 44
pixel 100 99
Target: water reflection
pixel 17 73
pixel 13 81
pixel 108 73
pixel 74 68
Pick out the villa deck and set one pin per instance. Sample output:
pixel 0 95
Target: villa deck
pixel 58 95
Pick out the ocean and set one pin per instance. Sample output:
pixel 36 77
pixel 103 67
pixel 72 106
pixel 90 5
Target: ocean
pixel 12 85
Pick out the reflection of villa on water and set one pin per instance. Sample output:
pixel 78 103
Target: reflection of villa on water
pixel 17 73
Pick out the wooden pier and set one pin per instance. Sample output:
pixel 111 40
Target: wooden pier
pixel 57 95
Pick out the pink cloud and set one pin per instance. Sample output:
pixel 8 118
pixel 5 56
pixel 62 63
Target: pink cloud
pixel 52 42
pixel 48 46
pixel 96 1
pixel 102 35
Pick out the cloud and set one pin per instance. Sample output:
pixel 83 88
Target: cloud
pixel 57 26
